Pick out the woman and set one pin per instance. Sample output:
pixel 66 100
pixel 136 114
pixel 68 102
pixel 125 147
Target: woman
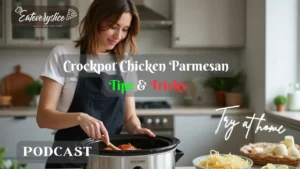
pixel 84 106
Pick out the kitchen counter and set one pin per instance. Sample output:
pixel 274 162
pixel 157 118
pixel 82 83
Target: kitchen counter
pixel 31 111
pixel 194 111
pixel 289 119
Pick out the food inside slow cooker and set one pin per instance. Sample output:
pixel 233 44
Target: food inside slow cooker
pixel 124 147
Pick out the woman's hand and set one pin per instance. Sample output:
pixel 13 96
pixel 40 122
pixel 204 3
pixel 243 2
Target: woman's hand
pixel 94 128
pixel 140 130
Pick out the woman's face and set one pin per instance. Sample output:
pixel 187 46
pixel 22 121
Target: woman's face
pixel 110 37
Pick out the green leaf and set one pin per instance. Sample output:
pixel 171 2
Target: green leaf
pixel 34 88
pixel 8 164
pixel 2 151
pixel 280 99
pixel 227 83
pixel 14 166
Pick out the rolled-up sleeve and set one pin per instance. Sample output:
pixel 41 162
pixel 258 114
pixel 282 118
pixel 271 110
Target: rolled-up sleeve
pixel 53 68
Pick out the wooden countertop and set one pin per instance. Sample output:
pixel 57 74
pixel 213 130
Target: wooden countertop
pixel 177 110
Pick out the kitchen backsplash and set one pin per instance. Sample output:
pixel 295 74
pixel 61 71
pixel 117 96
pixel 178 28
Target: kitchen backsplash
pixel 153 45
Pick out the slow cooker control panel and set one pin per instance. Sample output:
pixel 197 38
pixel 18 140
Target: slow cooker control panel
pixel 136 162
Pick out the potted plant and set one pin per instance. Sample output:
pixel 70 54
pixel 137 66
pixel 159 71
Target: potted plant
pixel 235 95
pixel 219 85
pixel 34 89
pixel 8 164
pixel 280 101
pixel 224 89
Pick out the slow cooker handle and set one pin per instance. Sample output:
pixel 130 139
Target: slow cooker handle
pixel 80 165
pixel 178 155
pixel 74 160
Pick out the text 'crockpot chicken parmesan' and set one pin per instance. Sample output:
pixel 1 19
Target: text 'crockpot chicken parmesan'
pixel 124 147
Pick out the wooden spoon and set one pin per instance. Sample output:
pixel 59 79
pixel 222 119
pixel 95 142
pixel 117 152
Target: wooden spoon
pixel 110 145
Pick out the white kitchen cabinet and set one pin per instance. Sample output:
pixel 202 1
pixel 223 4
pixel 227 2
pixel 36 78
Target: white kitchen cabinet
pixel 12 131
pixel 54 36
pixel 35 36
pixel 197 136
pixel 21 35
pixel 209 23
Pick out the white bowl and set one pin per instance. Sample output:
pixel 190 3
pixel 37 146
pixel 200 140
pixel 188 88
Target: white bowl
pixel 197 160
pixel 277 165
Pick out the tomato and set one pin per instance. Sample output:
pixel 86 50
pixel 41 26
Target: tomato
pixel 127 147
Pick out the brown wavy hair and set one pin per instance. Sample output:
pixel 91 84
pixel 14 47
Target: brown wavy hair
pixel 108 11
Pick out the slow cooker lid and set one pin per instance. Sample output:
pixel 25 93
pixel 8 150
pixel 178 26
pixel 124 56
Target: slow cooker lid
pixel 146 144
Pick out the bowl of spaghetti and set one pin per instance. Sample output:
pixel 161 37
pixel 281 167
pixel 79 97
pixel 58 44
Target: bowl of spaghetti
pixel 222 161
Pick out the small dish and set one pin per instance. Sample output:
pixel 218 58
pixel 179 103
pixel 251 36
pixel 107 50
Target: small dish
pixel 5 100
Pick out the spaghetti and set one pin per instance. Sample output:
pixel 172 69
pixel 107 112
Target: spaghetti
pixel 229 161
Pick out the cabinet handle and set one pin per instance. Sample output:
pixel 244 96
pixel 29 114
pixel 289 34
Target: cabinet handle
pixel 216 116
pixel 177 38
pixel 20 117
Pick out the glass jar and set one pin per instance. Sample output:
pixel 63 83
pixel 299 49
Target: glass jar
pixel 294 97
